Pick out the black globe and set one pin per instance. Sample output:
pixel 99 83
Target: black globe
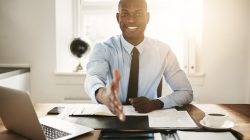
pixel 78 47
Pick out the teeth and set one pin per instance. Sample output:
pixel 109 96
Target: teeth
pixel 132 28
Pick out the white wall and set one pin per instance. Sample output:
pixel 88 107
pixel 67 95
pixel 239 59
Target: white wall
pixel 249 52
pixel 225 52
pixel 28 36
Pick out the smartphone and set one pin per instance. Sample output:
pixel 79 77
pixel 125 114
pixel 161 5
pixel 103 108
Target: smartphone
pixel 55 110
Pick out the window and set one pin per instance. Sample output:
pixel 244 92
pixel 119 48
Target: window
pixel 175 22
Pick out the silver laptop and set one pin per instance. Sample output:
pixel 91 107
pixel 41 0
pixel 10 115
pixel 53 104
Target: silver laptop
pixel 18 115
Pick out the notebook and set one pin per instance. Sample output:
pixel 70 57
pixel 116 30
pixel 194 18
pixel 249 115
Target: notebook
pixel 18 115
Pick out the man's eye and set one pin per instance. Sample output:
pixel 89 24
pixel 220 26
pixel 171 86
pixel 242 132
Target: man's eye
pixel 124 14
pixel 139 14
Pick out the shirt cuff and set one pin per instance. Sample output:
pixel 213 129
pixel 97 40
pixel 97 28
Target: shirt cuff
pixel 168 102
pixel 92 93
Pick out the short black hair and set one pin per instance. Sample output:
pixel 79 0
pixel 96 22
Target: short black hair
pixel 144 1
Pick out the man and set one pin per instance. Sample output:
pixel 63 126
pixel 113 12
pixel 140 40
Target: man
pixel 138 64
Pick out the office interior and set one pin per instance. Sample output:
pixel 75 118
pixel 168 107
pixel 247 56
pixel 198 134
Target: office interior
pixel 32 30
pixel 29 37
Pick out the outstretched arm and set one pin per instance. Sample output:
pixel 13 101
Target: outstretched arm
pixel 109 96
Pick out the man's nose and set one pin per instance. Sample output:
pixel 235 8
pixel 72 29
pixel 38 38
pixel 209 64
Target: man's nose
pixel 131 18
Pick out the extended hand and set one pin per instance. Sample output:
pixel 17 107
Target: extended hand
pixel 144 105
pixel 109 97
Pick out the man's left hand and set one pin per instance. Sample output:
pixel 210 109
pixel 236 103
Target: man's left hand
pixel 144 105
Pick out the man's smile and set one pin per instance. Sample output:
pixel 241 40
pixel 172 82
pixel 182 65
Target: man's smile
pixel 132 28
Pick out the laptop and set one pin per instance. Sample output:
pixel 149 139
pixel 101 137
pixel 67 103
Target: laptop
pixel 18 115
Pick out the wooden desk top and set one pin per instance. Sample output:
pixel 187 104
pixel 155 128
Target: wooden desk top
pixel 238 113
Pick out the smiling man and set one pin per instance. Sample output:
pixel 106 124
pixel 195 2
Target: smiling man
pixel 133 19
pixel 127 68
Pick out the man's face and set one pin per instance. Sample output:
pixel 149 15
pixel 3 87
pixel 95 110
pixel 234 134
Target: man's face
pixel 133 18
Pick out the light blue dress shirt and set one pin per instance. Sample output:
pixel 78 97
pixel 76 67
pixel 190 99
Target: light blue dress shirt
pixel 156 60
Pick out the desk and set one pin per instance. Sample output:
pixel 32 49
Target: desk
pixel 239 114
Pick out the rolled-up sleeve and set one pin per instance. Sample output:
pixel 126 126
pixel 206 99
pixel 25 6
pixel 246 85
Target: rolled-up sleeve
pixel 97 70
pixel 176 78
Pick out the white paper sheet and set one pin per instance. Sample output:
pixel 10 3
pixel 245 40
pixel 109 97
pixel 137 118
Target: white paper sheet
pixel 130 111
pixel 188 135
pixel 171 119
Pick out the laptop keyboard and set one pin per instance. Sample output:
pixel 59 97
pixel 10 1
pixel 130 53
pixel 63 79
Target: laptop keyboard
pixel 52 133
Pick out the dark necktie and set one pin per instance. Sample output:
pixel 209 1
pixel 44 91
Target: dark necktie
pixel 133 77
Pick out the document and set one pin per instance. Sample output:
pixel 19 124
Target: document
pixel 174 119
pixel 130 111
pixel 102 110
pixel 188 135
pixel 164 118
pixel 91 109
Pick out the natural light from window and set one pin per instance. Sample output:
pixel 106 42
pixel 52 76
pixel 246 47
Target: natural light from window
pixel 175 22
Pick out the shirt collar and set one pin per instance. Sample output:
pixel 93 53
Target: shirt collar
pixel 129 47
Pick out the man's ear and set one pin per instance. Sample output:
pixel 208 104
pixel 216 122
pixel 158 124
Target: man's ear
pixel 117 17
pixel 148 16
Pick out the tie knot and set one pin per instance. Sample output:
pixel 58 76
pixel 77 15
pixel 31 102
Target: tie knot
pixel 135 51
